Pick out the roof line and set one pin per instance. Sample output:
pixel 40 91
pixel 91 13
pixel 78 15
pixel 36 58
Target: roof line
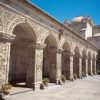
pixel 59 22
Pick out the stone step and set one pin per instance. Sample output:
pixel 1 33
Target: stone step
pixel 22 90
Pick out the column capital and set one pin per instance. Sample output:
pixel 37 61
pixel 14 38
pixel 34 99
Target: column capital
pixel 86 57
pixel 91 58
pixel 68 53
pixel 40 46
pixel 71 54
pixel 37 45
pixel 78 55
pixel 7 37
pixel 95 59
pixel 60 50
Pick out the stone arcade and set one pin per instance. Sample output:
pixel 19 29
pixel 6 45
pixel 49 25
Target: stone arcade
pixel 34 45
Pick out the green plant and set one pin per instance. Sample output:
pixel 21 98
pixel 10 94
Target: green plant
pixel 75 75
pixel 6 86
pixel 98 71
pixel 83 74
pixel 63 77
pixel 46 80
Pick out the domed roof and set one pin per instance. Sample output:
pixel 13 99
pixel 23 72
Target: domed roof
pixel 77 19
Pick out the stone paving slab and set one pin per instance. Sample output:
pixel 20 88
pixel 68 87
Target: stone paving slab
pixel 81 89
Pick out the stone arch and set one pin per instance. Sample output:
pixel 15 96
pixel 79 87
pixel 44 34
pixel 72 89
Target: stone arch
pixel 49 58
pixel 76 60
pixel 76 50
pixel 66 59
pixel 43 35
pixel 22 55
pixel 50 34
pixel 62 41
pixel 14 23
pixel 18 21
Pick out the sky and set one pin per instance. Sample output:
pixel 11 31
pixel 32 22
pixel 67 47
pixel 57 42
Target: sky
pixel 62 9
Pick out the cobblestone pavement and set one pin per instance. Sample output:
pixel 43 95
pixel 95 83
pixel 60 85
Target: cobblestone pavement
pixel 80 89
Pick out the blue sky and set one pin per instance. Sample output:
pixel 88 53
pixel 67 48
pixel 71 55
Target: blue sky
pixel 62 9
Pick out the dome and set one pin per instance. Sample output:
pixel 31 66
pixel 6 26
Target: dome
pixel 77 19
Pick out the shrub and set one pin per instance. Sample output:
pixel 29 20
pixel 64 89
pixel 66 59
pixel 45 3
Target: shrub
pixel 6 86
pixel 98 71
pixel 63 77
pixel 83 74
pixel 46 80
pixel 75 75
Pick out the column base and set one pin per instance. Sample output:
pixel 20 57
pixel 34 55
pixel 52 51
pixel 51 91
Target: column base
pixel 80 77
pixel 95 73
pixel 71 79
pixel 91 74
pixel 5 97
pixel 59 82
pixel 86 75
pixel 38 86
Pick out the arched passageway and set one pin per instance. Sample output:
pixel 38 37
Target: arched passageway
pixel 22 59
pixel 76 61
pixel 49 59
pixel 66 60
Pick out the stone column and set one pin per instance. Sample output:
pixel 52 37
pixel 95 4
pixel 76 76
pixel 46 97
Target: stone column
pixel 71 66
pixel 86 65
pixel 5 41
pixel 91 67
pixel 80 66
pixel 59 65
pixel 95 66
pixel 38 65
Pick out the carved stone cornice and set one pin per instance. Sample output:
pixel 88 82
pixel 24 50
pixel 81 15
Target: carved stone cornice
pixel 7 37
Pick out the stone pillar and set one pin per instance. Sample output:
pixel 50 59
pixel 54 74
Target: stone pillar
pixel 5 41
pixel 86 65
pixel 91 67
pixel 80 66
pixel 95 66
pixel 59 65
pixel 38 65
pixel 71 67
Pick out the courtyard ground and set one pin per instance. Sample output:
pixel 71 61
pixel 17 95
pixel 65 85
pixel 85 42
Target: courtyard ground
pixel 80 89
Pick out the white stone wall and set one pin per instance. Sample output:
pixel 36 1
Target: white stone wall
pixel 88 32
